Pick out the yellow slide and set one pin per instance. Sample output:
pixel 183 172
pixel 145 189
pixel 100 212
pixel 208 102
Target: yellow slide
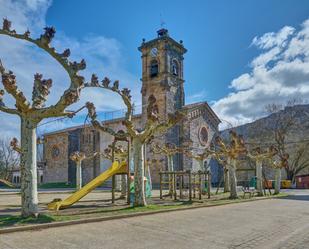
pixel 116 168
pixel 11 185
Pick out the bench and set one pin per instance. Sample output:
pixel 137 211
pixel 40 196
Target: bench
pixel 249 190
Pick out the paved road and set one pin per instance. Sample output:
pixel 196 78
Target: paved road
pixel 267 224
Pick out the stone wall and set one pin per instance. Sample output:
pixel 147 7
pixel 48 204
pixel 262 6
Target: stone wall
pixel 197 119
pixel 89 144
pixel 56 157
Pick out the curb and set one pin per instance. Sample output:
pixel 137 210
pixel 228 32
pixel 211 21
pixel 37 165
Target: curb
pixel 66 191
pixel 114 217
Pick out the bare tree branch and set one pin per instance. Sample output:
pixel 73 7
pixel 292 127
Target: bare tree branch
pixel 9 159
pixel 124 94
pixel 152 126
pixel 3 108
pixel 167 149
pixel 40 91
pixel 71 95
pixel 93 115
pixel 9 83
pixel 15 145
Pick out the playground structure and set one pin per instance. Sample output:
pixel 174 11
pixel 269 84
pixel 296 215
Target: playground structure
pixel 121 155
pixel 116 168
pixel 120 166
pixel 194 183
pixel 7 183
pixel 169 150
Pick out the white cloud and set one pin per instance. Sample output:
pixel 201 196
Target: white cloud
pixel 272 39
pixel 103 56
pixel 278 74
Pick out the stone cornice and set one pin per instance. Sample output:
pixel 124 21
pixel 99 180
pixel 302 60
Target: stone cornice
pixel 151 43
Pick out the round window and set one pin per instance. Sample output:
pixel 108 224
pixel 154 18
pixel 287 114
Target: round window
pixel 203 135
pixel 55 152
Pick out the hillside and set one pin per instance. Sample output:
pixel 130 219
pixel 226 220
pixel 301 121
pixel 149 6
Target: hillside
pixel 299 131
pixel 261 133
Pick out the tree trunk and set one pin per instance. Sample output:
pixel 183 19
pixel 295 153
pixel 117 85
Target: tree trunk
pixel 201 163
pixel 259 177
pixel 139 164
pixel 29 193
pixel 123 186
pixel 207 169
pixel 78 175
pixel 233 179
pixel 226 180
pixel 170 167
pixel 149 176
pixel 277 180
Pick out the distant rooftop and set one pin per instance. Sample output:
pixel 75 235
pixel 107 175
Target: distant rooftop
pixel 118 115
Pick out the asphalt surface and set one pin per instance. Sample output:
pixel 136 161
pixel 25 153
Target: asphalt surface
pixel 273 223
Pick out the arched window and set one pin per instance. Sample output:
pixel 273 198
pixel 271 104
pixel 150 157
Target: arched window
pixel 175 68
pixel 203 135
pixel 154 68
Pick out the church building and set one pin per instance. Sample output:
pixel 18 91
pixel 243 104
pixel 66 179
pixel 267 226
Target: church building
pixel 162 76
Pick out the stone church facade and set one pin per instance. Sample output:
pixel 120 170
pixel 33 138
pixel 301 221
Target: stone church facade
pixel 162 76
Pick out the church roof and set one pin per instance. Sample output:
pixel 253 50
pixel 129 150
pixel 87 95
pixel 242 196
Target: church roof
pixel 110 121
pixel 73 128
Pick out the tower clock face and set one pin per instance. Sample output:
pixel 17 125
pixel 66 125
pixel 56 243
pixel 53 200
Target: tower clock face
pixel 154 52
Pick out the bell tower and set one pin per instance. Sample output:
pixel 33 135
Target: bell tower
pixel 162 73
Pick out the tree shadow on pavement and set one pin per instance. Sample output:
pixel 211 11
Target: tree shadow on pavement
pixel 295 197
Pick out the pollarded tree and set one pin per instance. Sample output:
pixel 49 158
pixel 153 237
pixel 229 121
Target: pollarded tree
pixel 201 158
pixel 226 177
pixel 32 113
pixel 169 150
pixel 231 152
pixel 78 157
pixel 139 137
pixel 258 156
pixel 278 165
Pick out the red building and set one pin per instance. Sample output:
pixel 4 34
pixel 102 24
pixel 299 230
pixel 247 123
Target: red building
pixel 302 181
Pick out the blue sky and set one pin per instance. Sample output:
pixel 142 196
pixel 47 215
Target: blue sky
pixel 216 33
pixel 241 54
